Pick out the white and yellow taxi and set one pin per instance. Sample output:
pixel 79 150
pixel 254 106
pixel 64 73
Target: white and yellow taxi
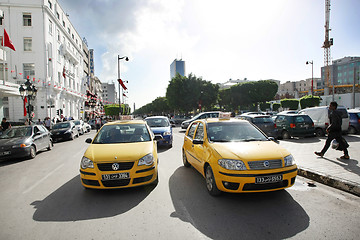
pixel 235 156
pixel 122 154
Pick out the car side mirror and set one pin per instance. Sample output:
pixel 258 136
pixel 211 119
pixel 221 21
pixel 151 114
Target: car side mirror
pixel 274 140
pixel 173 125
pixel 157 137
pixel 88 140
pixel 197 141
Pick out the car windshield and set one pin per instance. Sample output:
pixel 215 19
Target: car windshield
pixel 233 132
pixel 263 120
pixel 77 122
pixel 16 132
pixel 122 133
pixel 157 122
pixel 61 125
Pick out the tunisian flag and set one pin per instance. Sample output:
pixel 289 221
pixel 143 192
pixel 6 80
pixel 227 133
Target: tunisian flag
pixel 25 101
pixel 6 42
pixel 122 84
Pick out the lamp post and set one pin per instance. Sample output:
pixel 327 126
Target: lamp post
pixel 126 59
pixel 28 91
pixel 312 76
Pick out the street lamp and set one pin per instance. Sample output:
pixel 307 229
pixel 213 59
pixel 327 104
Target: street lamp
pixel 28 91
pixel 312 76
pixel 126 59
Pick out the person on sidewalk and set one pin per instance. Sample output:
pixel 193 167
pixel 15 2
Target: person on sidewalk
pixel 334 132
pixel 4 125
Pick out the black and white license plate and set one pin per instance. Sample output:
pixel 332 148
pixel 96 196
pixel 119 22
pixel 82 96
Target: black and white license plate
pixel 115 176
pixel 268 179
pixel 5 153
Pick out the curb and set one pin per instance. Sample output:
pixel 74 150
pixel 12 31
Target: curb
pixel 331 181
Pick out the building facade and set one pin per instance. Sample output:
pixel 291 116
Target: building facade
pixel 109 93
pixel 49 52
pixel 177 66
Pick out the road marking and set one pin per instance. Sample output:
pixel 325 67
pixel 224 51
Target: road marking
pixel 43 179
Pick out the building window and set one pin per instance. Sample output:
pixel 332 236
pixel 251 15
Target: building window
pixel 58 35
pixel 68 30
pixel 72 35
pixel 64 23
pixel 57 15
pixel 50 27
pixel 27 44
pixel 29 69
pixel 58 55
pixel 26 19
pixel 50 4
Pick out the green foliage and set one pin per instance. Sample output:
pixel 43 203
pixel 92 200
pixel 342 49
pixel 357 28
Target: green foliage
pixel 309 101
pixel 292 104
pixel 264 106
pixel 113 110
pixel 276 106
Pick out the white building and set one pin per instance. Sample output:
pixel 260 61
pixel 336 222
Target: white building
pixel 109 94
pixel 49 53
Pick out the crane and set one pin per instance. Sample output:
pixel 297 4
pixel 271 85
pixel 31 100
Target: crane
pixel 327 44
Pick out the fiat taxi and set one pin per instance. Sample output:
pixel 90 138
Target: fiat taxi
pixel 122 154
pixel 235 156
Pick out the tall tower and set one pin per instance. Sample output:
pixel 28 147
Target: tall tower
pixel 177 66
pixel 327 44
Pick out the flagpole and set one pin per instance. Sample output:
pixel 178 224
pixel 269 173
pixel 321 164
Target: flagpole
pixel 3 49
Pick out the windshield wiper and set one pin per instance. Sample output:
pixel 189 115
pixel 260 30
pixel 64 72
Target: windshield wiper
pixel 221 140
pixel 252 140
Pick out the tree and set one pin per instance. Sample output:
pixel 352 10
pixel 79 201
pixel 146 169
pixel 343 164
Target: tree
pixel 309 101
pixel 292 104
pixel 276 106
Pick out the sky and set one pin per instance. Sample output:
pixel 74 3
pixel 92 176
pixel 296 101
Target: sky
pixel 218 40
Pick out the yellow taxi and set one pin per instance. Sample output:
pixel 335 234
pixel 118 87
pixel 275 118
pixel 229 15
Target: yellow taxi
pixel 122 154
pixel 235 156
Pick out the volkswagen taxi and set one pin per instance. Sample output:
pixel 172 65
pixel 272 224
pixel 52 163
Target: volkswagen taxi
pixel 235 156
pixel 122 154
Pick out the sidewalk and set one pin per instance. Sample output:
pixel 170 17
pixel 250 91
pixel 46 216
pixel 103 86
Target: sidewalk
pixel 330 169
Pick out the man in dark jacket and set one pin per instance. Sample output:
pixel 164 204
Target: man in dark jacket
pixel 334 132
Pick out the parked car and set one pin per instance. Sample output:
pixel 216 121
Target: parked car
pixel 264 122
pixel 178 119
pixel 64 131
pixel 87 126
pixel 80 126
pixel 320 117
pixel 24 141
pixel 161 127
pixel 289 112
pixel 122 154
pixel 202 115
pixel 91 122
pixel 354 126
pixel 235 156
pixel 294 125
pixel 253 113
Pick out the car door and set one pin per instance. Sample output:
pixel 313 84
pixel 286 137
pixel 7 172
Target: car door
pixel 198 147
pixel 38 138
pixel 188 149
pixel 46 136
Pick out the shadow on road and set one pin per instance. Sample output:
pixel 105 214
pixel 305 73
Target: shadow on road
pixel 302 140
pixel 272 215
pixel 71 202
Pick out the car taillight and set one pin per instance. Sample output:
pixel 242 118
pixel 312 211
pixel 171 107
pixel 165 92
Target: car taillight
pixel 326 124
pixel 292 125
pixel 312 125
pixel 275 124
pixel 358 121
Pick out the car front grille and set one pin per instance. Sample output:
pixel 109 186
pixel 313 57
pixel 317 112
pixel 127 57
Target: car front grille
pixel 122 166
pixel 265 164
pixel 116 183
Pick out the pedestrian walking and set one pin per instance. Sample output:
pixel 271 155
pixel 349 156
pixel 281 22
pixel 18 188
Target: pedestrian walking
pixel 334 132
pixel 98 123
pixel 4 125
pixel 48 123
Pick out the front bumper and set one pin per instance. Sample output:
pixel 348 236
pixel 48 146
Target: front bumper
pixel 15 153
pixel 165 141
pixel 63 136
pixel 245 181
pixel 139 175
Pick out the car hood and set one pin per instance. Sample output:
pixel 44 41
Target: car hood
pixel 160 129
pixel 12 141
pixel 120 151
pixel 61 130
pixel 251 151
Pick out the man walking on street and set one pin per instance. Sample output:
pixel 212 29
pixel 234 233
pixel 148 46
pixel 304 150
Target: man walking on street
pixel 334 132
pixel 4 125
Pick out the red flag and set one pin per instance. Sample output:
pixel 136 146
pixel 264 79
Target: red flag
pixel 124 95
pixel 6 42
pixel 64 75
pixel 25 101
pixel 122 84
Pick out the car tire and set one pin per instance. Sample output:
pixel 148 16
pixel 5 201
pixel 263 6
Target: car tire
pixel 319 132
pixel 210 182
pixel 50 145
pixel 285 135
pixel 72 137
pixel 352 130
pixel 32 152
pixel 185 161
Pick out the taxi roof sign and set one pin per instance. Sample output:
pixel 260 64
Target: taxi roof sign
pixel 224 115
pixel 126 117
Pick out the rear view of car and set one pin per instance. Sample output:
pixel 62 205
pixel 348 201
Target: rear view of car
pixel 202 115
pixel 354 126
pixel 264 122
pixel 294 125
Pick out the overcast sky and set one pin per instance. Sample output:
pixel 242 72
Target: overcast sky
pixel 218 40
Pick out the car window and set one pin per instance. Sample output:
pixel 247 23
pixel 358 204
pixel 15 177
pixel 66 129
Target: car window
pixel 299 119
pixel 192 130
pixel 16 132
pixel 343 112
pixel 262 120
pixel 203 116
pixel 213 115
pixel 124 133
pixel 199 135
pixel 280 119
pixel 157 122
pixel 61 125
pixel 42 128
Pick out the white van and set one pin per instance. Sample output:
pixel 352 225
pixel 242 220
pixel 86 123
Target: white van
pixel 320 117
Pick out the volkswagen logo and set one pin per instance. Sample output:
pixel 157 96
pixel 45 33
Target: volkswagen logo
pixel 266 164
pixel 115 166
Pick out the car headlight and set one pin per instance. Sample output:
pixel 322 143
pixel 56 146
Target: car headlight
pixel 86 163
pixel 232 164
pixel 289 160
pixel 146 160
pixel 68 131
pixel 167 133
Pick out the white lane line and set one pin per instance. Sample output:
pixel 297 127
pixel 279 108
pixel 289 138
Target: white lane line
pixel 43 179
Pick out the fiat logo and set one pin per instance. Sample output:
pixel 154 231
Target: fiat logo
pixel 266 164
pixel 115 166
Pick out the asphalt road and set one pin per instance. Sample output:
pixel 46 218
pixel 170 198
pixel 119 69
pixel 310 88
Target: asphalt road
pixel 42 198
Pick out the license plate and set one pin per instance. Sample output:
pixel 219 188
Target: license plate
pixel 5 153
pixel 268 179
pixel 115 176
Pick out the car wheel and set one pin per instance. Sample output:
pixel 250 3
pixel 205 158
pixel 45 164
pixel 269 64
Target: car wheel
pixel 50 145
pixel 185 161
pixel 285 135
pixel 319 132
pixel 210 182
pixel 351 130
pixel 32 152
pixel 72 137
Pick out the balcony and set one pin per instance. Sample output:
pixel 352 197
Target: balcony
pixel 67 53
